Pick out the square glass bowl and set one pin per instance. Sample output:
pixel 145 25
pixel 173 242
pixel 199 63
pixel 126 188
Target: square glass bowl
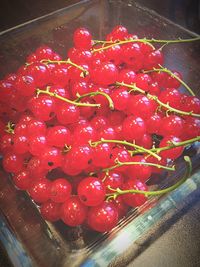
pixel 27 238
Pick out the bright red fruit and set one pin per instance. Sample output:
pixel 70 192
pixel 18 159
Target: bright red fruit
pixel 103 218
pixel 73 212
pixel 91 191
pixel 132 199
pixel 60 190
pixel 39 191
pixel 50 211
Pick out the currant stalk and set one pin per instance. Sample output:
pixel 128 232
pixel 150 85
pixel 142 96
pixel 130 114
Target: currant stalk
pixel 148 151
pixel 127 163
pixel 171 145
pixel 111 104
pixel 187 174
pixel 10 127
pixel 47 92
pixel 163 69
pixel 121 43
pixel 68 61
pixel 155 98
pixel 142 40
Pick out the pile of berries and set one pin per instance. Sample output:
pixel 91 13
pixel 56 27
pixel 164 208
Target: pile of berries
pixel 84 133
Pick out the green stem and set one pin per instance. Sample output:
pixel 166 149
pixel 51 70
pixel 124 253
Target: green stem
pixel 148 151
pixel 155 98
pixel 172 145
pixel 68 61
pixel 179 40
pixel 47 92
pixel 111 104
pixel 187 174
pixel 178 144
pixel 127 163
pixel 143 40
pixel 121 43
pixel 173 41
pixel 162 69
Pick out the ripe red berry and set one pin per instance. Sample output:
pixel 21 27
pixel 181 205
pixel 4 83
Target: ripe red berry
pixel 13 162
pixel 42 107
pixel 51 158
pixel 103 217
pixel 60 190
pixel 91 191
pixel 25 85
pixel 171 153
pixel 39 191
pixel 131 199
pixel 67 113
pixel 133 128
pixel 22 180
pixel 39 72
pixel 73 212
pixel 104 74
pixel 50 211
pixel 58 136
pixel 82 38
pixel 172 125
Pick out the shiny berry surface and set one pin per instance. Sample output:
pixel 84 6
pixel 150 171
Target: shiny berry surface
pixel 91 191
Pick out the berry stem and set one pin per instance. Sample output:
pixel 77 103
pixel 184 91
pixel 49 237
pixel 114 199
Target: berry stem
pixel 187 174
pixel 121 43
pixel 10 127
pixel 144 150
pixel 162 69
pixel 172 145
pixel 179 40
pixel 47 92
pixel 127 163
pixel 68 61
pixel 176 144
pixel 155 98
pixel 111 104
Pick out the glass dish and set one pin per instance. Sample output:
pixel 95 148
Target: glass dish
pixel 27 238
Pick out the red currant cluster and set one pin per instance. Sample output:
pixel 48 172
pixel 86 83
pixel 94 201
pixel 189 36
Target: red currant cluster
pixel 86 133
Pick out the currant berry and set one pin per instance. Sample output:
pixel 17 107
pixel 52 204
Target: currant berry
pixel 42 107
pixel 25 85
pixel 103 218
pixel 172 125
pixel 102 154
pixel 120 98
pixel 39 72
pixel 13 162
pixel 73 212
pixel 51 158
pixel 22 180
pixel 131 199
pixel 104 74
pixel 58 136
pixel 82 38
pixel 91 191
pixel 67 113
pixel 50 211
pixel 139 171
pixel 60 190
pixel 114 180
pixel 39 191
pixel 133 127
pixel 171 153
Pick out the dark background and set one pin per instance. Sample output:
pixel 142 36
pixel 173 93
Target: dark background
pixel 14 12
